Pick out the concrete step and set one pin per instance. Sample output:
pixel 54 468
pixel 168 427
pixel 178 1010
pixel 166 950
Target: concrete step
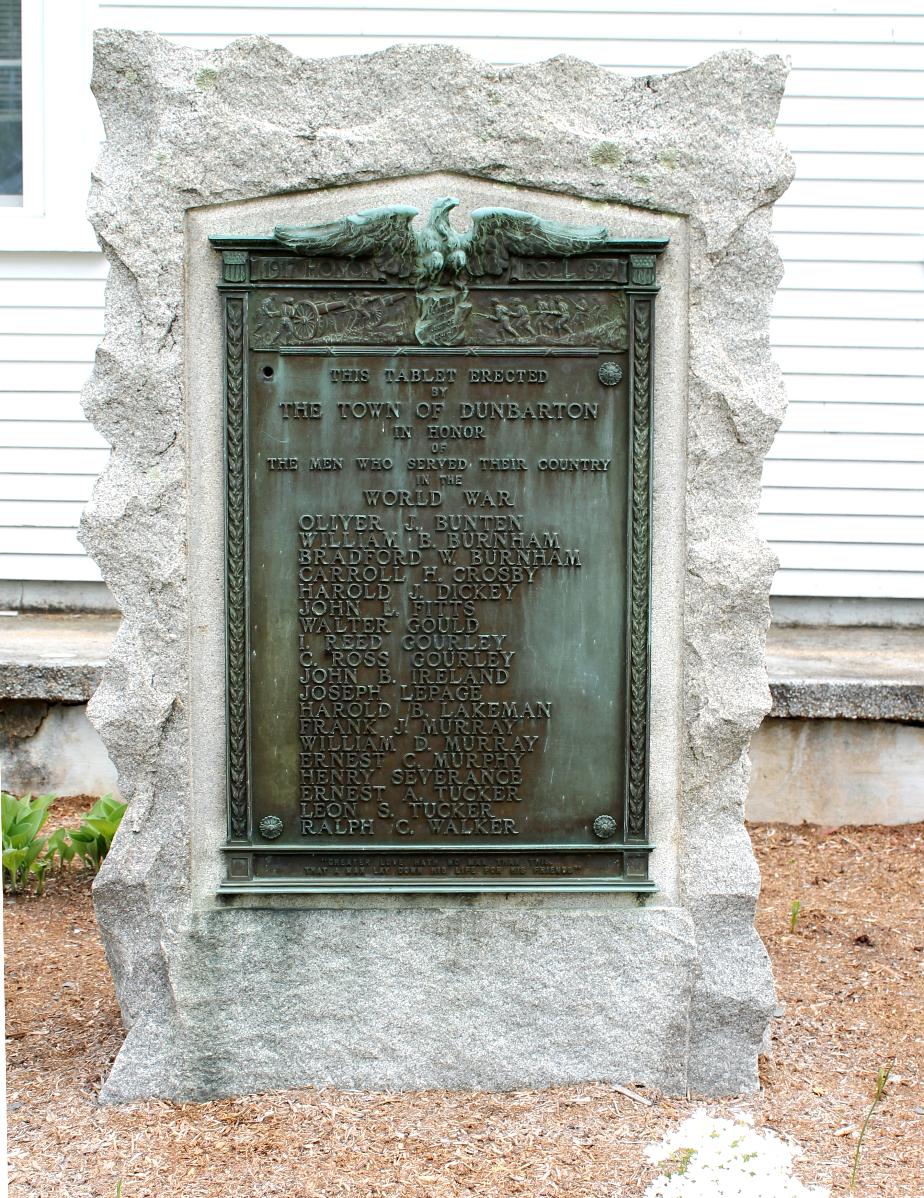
pixel 54 658
pixel 847 673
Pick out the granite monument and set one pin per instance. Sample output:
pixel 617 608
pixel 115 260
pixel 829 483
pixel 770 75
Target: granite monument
pixel 438 396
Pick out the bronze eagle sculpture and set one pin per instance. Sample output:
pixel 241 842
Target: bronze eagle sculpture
pixel 386 235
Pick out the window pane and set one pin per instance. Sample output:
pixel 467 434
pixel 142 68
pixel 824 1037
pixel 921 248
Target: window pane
pixel 10 100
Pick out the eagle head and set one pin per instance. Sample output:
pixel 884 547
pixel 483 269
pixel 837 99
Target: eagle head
pixel 444 205
pixel 439 243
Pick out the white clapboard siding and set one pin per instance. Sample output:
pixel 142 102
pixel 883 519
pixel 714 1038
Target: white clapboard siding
pixel 611 22
pixel 848 388
pixel 26 293
pixel 897 530
pixel 849 447
pixel 866 84
pixel 878 247
pixel 795 218
pixel 858 475
pixel 49 567
pixel 813 275
pixel 823 111
pixel 856 193
pixel 836 501
pixel 875 333
pixel 60 376
pixel 861 360
pixel 877 167
pixel 40 513
pixel 45 488
pixel 851 139
pixel 43 321
pixel 60 268
pixel 835 584
pixel 58 542
pixel 875 419
pixel 47 347
pixel 50 321
pixel 851 305
pixel 52 461
pixel 51 434
pixel 844 485
pixel 722 8
pixel 833 555
pixel 40 405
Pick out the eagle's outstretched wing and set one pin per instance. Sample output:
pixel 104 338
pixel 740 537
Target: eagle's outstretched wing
pixel 497 233
pixel 384 234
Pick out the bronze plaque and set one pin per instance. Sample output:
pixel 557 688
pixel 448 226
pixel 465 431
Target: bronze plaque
pixel 438 452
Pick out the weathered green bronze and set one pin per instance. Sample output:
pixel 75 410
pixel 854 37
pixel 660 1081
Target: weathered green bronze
pixel 438 451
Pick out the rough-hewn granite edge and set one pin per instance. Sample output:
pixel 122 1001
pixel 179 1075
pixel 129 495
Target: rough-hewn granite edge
pixel 186 129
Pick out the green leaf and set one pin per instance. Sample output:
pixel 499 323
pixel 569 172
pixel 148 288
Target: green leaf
pixel 107 808
pixel 93 839
pixel 13 859
pixel 82 835
pixel 89 852
pixel 30 817
pixel 59 846
pixel 104 828
pixel 32 850
pixel 38 870
pixel 9 806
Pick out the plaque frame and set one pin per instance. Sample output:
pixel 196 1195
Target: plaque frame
pixel 626 857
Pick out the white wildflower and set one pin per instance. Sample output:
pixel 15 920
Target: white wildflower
pixel 708 1157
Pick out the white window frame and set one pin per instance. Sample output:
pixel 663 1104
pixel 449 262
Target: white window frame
pixel 61 130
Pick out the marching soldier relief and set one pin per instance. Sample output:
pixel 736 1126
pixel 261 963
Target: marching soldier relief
pixel 437 554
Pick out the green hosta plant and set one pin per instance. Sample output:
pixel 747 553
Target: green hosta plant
pixel 23 848
pixel 92 840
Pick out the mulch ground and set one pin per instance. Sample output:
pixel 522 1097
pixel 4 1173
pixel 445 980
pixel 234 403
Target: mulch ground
pixel 851 984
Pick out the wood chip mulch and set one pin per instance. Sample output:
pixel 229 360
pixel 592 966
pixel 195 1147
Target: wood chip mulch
pixel 851 986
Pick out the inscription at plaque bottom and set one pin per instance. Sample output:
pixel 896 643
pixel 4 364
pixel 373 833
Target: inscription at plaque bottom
pixel 438 555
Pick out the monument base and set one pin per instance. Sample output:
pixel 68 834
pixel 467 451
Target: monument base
pixel 416 999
